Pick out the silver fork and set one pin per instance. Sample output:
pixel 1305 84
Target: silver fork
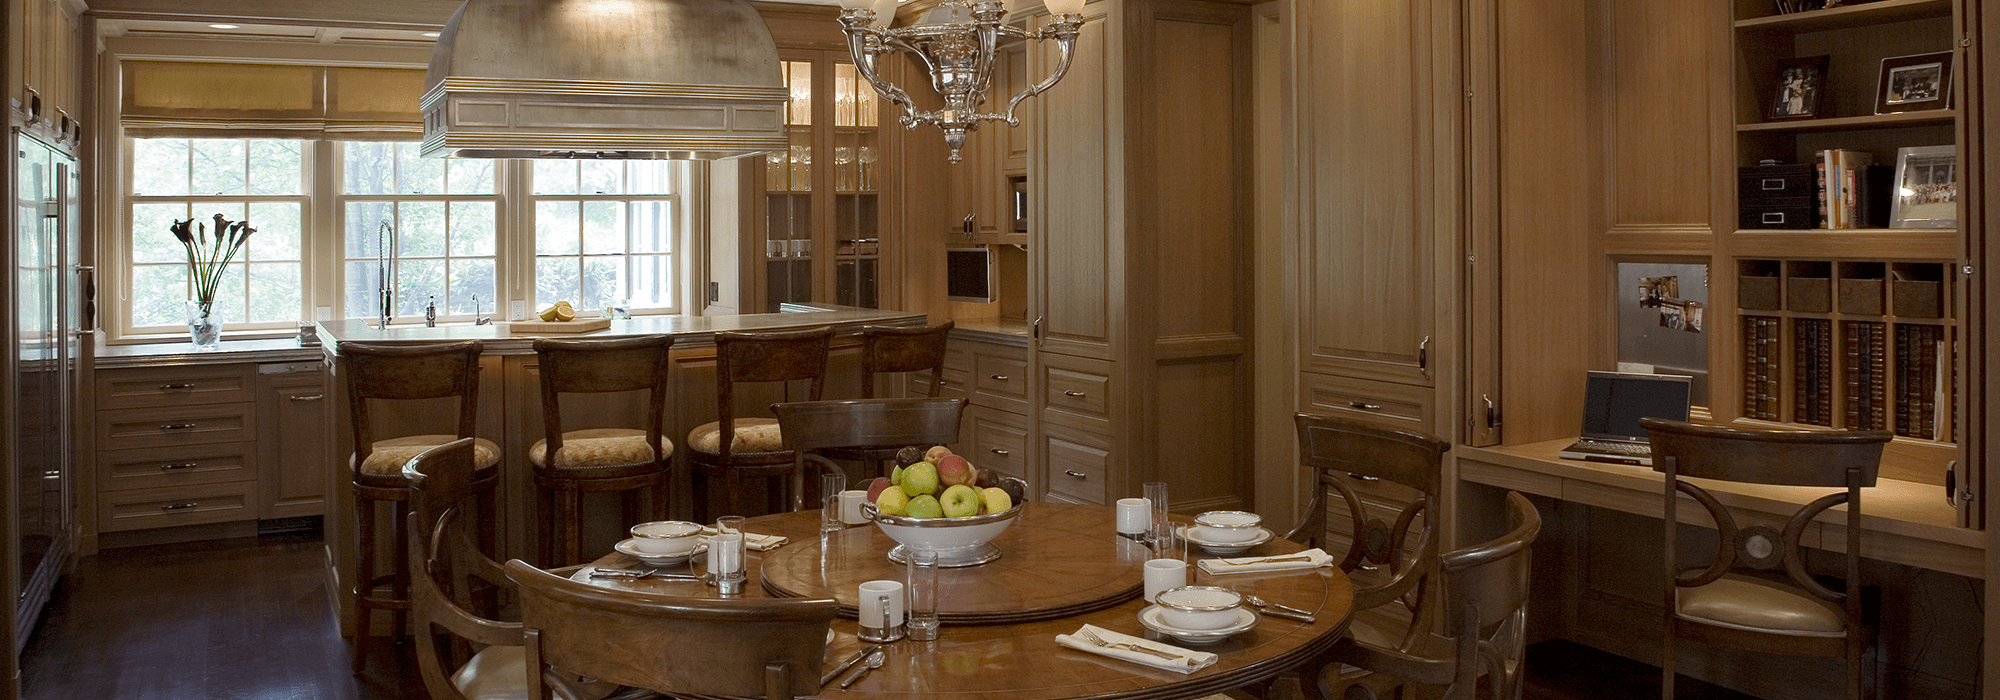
pixel 1092 637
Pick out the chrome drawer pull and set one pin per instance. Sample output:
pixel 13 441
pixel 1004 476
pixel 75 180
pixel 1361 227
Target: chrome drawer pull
pixel 179 506
pixel 1000 377
pixel 1077 394
pixel 176 426
pixel 175 467
pixel 1074 474
pixel 999 451
pixel 176 385
pixel 1365 406
pixel 314 397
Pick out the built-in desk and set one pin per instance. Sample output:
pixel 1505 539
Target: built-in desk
pixel 1902 521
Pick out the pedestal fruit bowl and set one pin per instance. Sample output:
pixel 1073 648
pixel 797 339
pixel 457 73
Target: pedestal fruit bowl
pixel 958 542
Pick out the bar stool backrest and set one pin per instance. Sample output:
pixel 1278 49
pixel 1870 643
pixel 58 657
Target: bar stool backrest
pixel 602 366
pixel 408 373
pixel 786 357
pixel 903 349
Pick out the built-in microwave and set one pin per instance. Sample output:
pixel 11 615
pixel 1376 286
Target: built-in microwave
pixel 969 274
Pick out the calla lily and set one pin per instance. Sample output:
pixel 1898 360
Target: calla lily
pixel 209 254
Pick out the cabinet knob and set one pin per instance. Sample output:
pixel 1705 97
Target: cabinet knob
pixel 312 397
pixel 999 451
pixel 170 386
pixel 1076 394
pixel 179 506
pixel 176 426
pixel 1365 406
pixel 177 467
pixel 1074 474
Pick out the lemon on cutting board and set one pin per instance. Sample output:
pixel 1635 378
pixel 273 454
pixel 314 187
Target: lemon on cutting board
pixel 559 311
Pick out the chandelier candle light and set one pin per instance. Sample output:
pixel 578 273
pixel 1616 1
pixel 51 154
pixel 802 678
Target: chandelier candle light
pixel 956 42
pixel 208 257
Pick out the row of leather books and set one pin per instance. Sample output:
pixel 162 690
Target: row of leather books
pixel 1812 366
pixel 1867 346
pixel 1923 357
pixel 1761 356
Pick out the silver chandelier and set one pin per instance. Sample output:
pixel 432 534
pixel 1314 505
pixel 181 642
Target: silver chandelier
pixel 956 42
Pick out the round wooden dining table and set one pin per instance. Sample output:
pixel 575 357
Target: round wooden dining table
pixel 1061 567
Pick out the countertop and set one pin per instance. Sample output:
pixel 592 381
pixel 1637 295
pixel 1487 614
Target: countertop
pixel 1005 331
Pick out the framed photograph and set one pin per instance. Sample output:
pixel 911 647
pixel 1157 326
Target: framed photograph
pixel 1926 194
pixel 1914 83
pixel 1799 85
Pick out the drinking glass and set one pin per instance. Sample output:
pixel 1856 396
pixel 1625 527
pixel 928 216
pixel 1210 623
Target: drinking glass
pixel 830 486
pixel 725 555
pixel 1163 524
pixel 923 595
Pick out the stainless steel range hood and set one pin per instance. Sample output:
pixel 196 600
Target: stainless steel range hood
pixel 680 79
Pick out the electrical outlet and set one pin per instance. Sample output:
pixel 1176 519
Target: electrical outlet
pixel 323 313
pixel 517 310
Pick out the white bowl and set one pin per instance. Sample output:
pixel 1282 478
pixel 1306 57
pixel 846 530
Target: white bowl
pixel 957 541
pixel 666 537
pixel 1227 526
pixel 1227 549
pixel 1199 607
pixel 1244 622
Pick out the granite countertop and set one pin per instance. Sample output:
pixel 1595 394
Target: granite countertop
pixel 1005 331
pixel 183 353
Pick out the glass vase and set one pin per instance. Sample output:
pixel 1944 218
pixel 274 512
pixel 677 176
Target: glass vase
pixel 204 329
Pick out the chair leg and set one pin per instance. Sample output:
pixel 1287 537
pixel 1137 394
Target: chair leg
pixel 1312 680
pixel 1667 662
pixel 364 575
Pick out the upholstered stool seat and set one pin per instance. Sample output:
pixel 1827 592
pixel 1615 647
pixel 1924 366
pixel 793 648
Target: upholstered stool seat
pixel 756 450
pixel 630 461
pixel 753 435
pixel 1746 602
pixel 602 453
pixel 387 457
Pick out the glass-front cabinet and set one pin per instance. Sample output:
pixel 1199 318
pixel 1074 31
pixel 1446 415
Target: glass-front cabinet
pixel 821 205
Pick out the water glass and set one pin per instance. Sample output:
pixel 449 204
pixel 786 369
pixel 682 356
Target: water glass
pixel 725 555
pixel 830 486
pixel 1162 521
pixel 923 595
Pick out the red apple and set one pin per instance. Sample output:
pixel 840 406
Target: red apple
pixel 876 487
pixel 954 470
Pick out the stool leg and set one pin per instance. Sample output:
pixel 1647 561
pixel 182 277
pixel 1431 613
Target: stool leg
pixel 662 496
pixel 545 543
pixel 568 509
pixel 399 511
pixel 364 574
pixel 733 483
pixel 489 520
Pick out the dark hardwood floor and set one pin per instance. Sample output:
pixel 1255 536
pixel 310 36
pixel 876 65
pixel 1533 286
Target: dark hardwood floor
pixel 252 618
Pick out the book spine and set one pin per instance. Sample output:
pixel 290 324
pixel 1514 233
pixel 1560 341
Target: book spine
pixel 1825 330
pixel 1878 368
pixel 1852 356
pixel 1801 371
pixel 1819 170
pixel 1753 380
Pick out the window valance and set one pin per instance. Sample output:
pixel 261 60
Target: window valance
pixel 163 99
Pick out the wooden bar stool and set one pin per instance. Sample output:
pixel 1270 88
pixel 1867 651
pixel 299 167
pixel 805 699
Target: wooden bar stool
pixel 404 373
pixel 629 460
pixel 755 450
pixel 899 349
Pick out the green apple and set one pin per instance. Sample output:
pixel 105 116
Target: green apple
pixel 960 501
pixel 896 476
pixel 925 506
pixel 921 479
pixel 996 500
pixel 893 502
pixel 933 454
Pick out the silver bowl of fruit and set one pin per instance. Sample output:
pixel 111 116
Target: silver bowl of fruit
pixel 955 511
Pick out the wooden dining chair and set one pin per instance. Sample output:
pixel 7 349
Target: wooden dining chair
pixel 377 375
pixel 898 349
pixel 750 647
pixel 1757 594
pixel 735 449
pixel 631 461
pixel 814 429
pixel 461 655
pixel 1484 601
pixel 1387 483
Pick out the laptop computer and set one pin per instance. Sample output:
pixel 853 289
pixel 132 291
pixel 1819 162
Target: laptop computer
pixel 1613 403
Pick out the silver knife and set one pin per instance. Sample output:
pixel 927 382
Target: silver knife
pixel 874 662
pixel 1286 614
pixel 844 665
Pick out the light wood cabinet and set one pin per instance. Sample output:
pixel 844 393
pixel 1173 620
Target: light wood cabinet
pixel 177 446
pixel 293 441
pixel 45 81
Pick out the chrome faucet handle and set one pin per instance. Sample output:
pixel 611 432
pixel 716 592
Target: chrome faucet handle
pixel 431 313
pixel 479 319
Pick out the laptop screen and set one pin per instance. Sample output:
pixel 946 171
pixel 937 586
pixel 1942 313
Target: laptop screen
pixel 1614 402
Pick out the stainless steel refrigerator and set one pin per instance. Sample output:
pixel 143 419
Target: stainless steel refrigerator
pixel 38 387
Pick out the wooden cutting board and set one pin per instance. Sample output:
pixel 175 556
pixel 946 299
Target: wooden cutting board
pixel 539 327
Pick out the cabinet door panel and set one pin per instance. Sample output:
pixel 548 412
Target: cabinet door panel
pixel 294 441
pixel 1077 255
pixel 999 443
pixel 119 470
pixel 1365 208
pixel 1079 464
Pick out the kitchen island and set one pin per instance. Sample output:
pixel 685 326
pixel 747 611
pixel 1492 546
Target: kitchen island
pixel 510 412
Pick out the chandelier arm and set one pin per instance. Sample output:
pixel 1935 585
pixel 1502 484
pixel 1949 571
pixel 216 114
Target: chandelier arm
pixel 862 45
pixel 1065 37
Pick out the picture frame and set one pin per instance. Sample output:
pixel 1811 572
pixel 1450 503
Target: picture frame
pixel 1796 89
pixel 1914 83
pixel 1925 194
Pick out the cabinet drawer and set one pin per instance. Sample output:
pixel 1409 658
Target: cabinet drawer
pixel 1077 468
pixel 119 470
pixel 1077 391
pixel 1398 406
pixel 140 428
pixel 1000 381
pixel 174 386
pixel 999 443
pixel 174 506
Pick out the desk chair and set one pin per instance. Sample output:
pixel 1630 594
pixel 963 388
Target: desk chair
pixel 734 449
pixel 753 647
pixel 1485 606
pixel 404 373
pixel 1392 576
pixel 632 461
pixel 1756 594
pixel 811 429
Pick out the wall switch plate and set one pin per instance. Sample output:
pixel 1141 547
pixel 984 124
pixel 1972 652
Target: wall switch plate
pixel 517 310
pixel 715 291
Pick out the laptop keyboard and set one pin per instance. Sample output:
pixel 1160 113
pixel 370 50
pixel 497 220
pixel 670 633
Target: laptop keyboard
pixel 1637 449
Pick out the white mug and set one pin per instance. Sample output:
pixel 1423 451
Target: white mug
pixel 881 604
pixel 1135 516
pixel 1162 574
pixel 850 506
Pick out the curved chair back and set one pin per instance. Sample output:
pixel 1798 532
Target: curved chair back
pixel 903 349
pixel 408 372
pixel 442 561
pixel 767 357
pixel 602 366
pixel 770 647
pixel 809 427
pixel 1486 588
pixel 1341 453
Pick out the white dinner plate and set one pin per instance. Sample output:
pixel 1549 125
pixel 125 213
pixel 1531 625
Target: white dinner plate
pixel 629 548
pixel 1226 548
pixel 1246 619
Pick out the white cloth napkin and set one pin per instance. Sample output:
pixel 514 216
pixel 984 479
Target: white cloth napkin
pixel 753 541
pixel 1185 661
pixel 1315 558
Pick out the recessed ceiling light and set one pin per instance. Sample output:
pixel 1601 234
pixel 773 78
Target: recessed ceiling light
pixel 222 26
pixel 432 35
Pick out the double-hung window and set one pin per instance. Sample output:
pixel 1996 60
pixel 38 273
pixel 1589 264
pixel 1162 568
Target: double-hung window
pixel 436 220
pixel 263 181
pixel 605 231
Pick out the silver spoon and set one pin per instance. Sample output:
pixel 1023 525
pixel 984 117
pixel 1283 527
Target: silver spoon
pixel 859 656
pixel 874 662
pixel 1290 612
